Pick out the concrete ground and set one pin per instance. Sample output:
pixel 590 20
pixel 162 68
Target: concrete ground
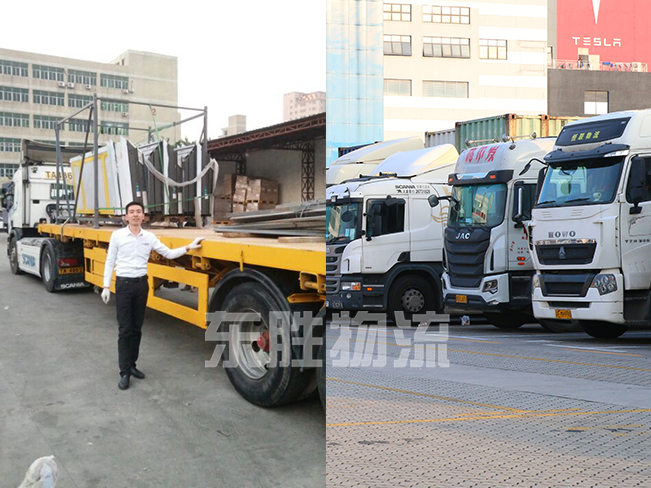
pixel 518 408
pixel 183 426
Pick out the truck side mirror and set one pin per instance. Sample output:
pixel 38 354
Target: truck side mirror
pixel 541 178
pixel 433 201
pixel 637 183
pixel 519 211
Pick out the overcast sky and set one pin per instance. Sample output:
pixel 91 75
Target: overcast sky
pixel 236 57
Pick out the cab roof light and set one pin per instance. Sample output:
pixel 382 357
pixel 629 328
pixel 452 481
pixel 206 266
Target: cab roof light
pixel 614 154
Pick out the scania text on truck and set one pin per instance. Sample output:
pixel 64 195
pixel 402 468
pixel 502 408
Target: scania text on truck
pixel 591 228
pixel 487 258
pixel 384 240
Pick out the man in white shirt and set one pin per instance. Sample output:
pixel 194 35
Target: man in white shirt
pixel 128 251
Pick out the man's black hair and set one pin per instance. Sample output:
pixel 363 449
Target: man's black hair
pixel 135 203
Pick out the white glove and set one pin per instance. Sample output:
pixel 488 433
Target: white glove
pixel 196 244
pixel 106 295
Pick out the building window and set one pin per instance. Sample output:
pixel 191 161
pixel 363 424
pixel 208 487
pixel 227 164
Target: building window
pixel 48 98
pixel 45 122
pixel 114 81
pixel 595 102
pixel 397 11
pixel 9 145
pixel 114 128
pixel 446 47
pixel 397 88
pixel 397 45
pixel 79 125
pixel 8 170
pixel 10 94
pixel 115 107
pixel 78 101
pixel 47 72
pixel 445 89
pixel 13 68
pixel 446 15
pixel 8 119
pixel 492 49
pixel 82 77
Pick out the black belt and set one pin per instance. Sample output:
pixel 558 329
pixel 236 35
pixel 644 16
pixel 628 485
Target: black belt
pixel 139 279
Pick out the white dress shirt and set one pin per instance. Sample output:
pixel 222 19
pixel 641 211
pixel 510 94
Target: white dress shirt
pixel 129 254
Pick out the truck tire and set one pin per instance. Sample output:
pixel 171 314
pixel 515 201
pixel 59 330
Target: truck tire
pixel 411 295
pixel 602 330
pixel 508 320
pixel 559 326
pixel 252 374
pixel 13 257
pixel 48 268
pixel 321 375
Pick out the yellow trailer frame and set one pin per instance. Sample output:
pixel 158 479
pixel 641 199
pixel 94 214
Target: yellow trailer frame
pixel 204 267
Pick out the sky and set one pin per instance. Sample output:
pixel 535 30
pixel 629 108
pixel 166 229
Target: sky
pixel 235 57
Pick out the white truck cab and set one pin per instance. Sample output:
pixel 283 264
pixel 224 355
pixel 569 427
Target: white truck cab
pixel 487 258
pixel 364 160
pixel 384 239
pixel 591 228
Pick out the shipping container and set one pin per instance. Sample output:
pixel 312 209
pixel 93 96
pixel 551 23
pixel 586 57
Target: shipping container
pixel 439 137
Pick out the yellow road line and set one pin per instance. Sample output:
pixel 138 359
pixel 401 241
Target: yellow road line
pixel 427 395
pixel 509 356
pixel 456 419
pixel 602 352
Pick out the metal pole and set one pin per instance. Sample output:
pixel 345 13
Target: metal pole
pixel 59 165
pixel 96 159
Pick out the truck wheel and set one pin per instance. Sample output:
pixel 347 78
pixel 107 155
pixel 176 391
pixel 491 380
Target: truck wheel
pixel 13 257
pixel 411 295
pixel 321 374
pixel 48 268
pixel 250 350
pixel 602 330
pixel 508 320
pixel 559 326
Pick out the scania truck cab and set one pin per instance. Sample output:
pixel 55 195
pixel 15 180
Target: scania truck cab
pixel 384 239
pixel 591 228
pixel 487 258
pixel 364 161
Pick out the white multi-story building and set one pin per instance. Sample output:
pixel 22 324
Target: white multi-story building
pixel 298 105
pixel 37 90
pixel 446 61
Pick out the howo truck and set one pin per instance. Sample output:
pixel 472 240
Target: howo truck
pixel 488 266
pixel 591 228
pixel 364 161
pixel 384 240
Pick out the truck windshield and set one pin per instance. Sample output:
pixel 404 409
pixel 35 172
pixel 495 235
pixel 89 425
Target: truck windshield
pixel 589 182
pixel 346 229
pixel 479 205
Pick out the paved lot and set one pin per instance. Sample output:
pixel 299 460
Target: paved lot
pixel 183 426
pixel 514 408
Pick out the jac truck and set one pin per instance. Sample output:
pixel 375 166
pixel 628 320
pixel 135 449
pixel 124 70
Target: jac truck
pixel 384 240
pixel 488 265
pixel 591 228
pixel 266 274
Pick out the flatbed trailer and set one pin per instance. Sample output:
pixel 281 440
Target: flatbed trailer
pixel 230 274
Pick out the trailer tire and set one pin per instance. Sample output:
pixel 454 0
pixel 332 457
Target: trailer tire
pixel 506 320
pixel 602 330
pixel 411 295
pixel 321 374
pixel 559 326
pixel 48 268
pixel 13 257
pixel 262 384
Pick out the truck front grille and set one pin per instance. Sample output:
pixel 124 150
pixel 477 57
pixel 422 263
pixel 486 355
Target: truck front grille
pixel 562 254
pixel 465 256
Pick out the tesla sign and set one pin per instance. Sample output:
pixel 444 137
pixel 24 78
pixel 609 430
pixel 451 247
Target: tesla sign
pixel 613 29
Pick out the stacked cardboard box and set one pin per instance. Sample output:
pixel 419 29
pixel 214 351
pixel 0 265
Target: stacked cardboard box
pixel 224 198
pixel 239 195
pixel 245 195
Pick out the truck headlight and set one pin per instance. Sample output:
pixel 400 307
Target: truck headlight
pixel 535 281
pixel 605 283
pixel 351 286
pixel 490 286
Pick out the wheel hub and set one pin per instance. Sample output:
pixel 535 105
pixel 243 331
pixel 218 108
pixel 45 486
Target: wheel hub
pixel 413 300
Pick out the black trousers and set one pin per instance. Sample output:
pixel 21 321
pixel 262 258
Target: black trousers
pixel 131 301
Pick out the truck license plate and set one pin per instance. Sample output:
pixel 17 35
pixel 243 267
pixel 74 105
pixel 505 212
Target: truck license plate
pixel 462 298
pixel 76 270
pixel 563 314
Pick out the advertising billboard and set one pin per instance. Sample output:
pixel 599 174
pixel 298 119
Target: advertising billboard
pixel 613 29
